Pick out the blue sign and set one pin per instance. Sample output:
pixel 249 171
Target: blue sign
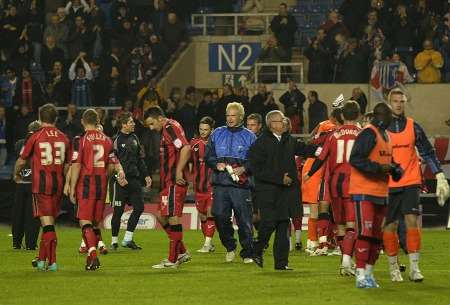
pixel 232 57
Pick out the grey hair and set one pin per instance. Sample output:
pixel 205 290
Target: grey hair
pixel 271 114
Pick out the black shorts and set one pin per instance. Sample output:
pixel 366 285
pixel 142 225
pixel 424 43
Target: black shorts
pixel 402 203
pixel 129 194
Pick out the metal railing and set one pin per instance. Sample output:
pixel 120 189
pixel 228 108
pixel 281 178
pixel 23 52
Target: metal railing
pixel 204 18
pixel 278 72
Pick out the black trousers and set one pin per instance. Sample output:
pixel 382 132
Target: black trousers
pixel 23 222
pixel 281 243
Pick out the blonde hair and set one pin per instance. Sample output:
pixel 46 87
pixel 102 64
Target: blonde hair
pixel 238 107
pixel 397 91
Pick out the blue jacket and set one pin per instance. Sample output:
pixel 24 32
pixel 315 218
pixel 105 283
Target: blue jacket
pixel 229 145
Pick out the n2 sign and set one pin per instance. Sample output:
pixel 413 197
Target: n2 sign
pixel 232 57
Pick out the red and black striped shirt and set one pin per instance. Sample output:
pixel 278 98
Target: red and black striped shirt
pixel 202 173
pixel 172 140
pixel 48 149
pixel 93 151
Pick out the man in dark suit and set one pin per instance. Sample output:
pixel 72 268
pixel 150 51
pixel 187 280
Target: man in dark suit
pixel 272 162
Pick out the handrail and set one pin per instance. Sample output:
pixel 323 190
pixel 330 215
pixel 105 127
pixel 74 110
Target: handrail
pixel 235 16
pixel 278 65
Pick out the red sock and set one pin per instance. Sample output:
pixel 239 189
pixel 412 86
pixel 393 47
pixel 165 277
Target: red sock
pixel 50 243
pixel 98 235
pixel 348 243
pixel 210 227
pixel 362 248
pixel 312 229
pixel 90 239
pixel 42 249
pixel 176 235
pixel 322 227
pixel 374 252
pixel 203 226
pixel 297 222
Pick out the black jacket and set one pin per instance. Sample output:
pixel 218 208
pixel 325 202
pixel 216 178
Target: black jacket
pixel 269 160
pixel 128 150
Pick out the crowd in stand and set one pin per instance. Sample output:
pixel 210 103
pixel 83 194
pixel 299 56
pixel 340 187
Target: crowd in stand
pixel 360 34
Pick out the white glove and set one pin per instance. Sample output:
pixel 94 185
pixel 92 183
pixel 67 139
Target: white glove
pixel 229 169
pixel 442 189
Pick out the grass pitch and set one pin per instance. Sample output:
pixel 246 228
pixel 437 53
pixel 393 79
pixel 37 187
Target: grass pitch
pixel 126 277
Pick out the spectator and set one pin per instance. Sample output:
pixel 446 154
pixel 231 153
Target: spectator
pixel 332 27
pixel 258 101
pixel 116 90
pixel 271 53
pixel 317 110
pixel 60 32
pixel 206 107
pixel 3 136
pixel 50 53
pixel 403 75
pixel 428 62
pixel 352 12
pixel 76 8
pixel 149 96
pixel 284 27
pixel 21 57
pixel 160 16
pixel 319 70
pixel 12 27
pixel 293 101
pixel 404 35
pixel 80 38
pixel 360 97
pixel 253 25
pixel 28 92
pixel 70 124
pixel 244 99
pixel 255 123
pixel 379 51
pixel 353 63
pixel 63 19
pixel 444 47
pixel 23 119
pixel 173 33
pixel 81 82
pixel 144 32
pixel 58 87
pixel 159 54
pixel 8 88
pixel 125 37
pixel 33 29
pixel 186 114
pixel 106 122
pixel 221 105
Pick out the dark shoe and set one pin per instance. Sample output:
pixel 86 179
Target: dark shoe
pixel 17 246
pixel 31 248
pixel 285 268
pixel 132 245
pixel 114 246
pixel 258 261
pixel 402 267
pixel 92 264
pixel 298 246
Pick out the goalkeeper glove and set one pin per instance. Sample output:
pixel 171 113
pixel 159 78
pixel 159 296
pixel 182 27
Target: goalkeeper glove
pixel 442 189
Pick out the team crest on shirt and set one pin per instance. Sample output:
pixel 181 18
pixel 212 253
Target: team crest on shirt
pixel 196 148
pixel 368 225
pixel 164 200
pixel 177 143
